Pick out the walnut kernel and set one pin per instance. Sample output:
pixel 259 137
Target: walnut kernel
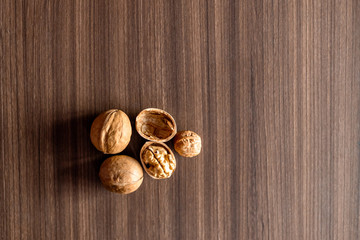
pixel 158 160
pixel 187 143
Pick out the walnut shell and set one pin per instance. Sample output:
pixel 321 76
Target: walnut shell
pixel 111 131
pixel 187 143
pixel 158 160
pixel 121 174
pixel 155 125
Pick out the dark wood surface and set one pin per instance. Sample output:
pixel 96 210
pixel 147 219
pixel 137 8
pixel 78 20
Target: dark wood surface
pixel 273 88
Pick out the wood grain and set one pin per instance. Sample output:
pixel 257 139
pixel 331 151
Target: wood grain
pixel 273 88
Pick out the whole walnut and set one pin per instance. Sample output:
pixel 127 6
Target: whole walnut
pixel 187 143
pixel 111 131
pixel 121 174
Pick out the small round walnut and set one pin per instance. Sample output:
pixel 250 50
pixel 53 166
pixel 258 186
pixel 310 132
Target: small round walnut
pixel 111 131
pixel 121 174
pixel 155 125
pixel 187 143
pixel 158 160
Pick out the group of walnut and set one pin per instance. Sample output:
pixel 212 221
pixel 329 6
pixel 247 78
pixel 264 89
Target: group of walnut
pixel 111 133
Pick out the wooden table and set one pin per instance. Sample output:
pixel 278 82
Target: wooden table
pixel 273 88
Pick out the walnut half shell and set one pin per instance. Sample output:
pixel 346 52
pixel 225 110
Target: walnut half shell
pixel 155 125
pixel 158 160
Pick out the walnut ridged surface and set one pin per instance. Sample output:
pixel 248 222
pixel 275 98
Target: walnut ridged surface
pixel 111 131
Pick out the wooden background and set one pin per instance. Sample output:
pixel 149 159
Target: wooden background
pixel 273 88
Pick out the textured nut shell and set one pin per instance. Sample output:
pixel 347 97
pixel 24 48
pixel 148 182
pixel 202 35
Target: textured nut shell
pixel 146 145
pixel 121 174
pixel 155 125
pixel 187 143
pixel 111 131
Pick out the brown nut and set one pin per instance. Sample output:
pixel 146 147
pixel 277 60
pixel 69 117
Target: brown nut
pixel 121 174
pixel 158 160
pixel 187 143
pixel 111 131
pixel 155 125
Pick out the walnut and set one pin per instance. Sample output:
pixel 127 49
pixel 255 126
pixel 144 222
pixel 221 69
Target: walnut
pixel 111 131
pixel 158 160
pixel 187 143
pixel 121 174
pixel 155 125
